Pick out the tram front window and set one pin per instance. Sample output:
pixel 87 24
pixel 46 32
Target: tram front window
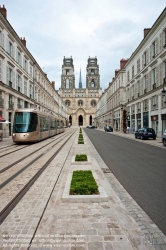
pixel 24 122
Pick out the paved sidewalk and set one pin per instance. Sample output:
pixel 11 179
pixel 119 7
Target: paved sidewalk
pixel 111 222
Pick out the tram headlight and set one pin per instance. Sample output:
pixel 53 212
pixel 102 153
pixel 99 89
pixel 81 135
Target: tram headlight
pixel 14 134
pixel 26 134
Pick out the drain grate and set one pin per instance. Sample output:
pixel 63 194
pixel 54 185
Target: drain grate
pixel 106 170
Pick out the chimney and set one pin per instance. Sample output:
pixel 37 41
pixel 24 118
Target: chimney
pixel 23 41
pixel 122 63
pixel 53 84
pixel 3 11
pixel 146 31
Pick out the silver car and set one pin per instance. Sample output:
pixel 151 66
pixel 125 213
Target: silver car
pixel 164 138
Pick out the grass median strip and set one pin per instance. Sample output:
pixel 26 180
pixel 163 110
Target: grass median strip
pixel 83 183
pixel 81 158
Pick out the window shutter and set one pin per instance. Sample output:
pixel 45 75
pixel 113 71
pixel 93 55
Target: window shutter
pixel 0 69
pixel 149 80
pixel 147 56
pixel 157 44
pixel 150 52
pixel 143 61
pixel 161 42
pixel 3 40
pixel 7 75
pixel 21 84
pixel 7 45
pixel 13 52
pixel 14 80
pixel 17 55
pixel 157 76
pixel 23 63
pixel 160 77
pixel 135 90
pixel 20 60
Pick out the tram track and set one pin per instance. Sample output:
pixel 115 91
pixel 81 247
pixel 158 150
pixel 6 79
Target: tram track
pixel 31 175
pixel 13 150
pixel 33 152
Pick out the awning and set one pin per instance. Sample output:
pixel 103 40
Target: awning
pixel 2 119
pixel 6 122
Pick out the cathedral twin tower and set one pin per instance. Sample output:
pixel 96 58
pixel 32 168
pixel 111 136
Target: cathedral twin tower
pixel 80 101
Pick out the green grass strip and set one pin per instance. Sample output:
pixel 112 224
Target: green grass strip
pixel 81 158
pixel 83 183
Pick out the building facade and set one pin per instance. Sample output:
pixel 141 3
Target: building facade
pixel 80 102
pixel 23 84
pixel 136 97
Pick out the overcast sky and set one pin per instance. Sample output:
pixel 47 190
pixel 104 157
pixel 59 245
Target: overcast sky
pixel 108 29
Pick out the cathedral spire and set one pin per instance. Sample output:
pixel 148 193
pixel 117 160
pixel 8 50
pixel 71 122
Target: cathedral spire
pixel 80 81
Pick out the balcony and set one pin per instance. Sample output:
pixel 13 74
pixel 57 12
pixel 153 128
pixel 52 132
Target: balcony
pixel 11 105
pixel 19 106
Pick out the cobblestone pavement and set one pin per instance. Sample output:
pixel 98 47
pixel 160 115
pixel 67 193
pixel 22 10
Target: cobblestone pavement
pixel 44 219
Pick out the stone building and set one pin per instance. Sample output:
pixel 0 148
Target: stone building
pixel 23 84
pixel 80 102
pixel 136 97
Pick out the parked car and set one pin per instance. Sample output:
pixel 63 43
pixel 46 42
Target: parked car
pixel 108 129
pixel 92 127
pixel 164 138
pixel 145 133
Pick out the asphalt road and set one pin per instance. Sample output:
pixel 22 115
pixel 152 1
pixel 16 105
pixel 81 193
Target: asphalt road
pixel 139 167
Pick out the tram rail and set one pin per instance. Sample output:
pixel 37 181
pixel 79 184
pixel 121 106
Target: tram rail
pixel 26 156
pixel 21 189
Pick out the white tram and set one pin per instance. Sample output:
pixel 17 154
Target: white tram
pixel 31 125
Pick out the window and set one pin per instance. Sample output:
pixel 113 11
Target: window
pixel 154 78
pixel 25 65
pixel 25 87
pixel 92 71
pixel 67 83
pixel 138 66
pixel 128 76
pixel 19 58
pixel 30 91
pixel 18 83
pixel 145 84
pixel 67 71
pixel 132 71
pixel 67 103
pixel 93 103
pixel 80 103
pixel 165 38
pixel 92 83
pixel 153 49
pixel 10 48
pixel 145 58
pixel 30 70
pixel 138 88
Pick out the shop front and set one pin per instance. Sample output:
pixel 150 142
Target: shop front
pixel 146 119
pixel 133 123
pixel 138 121
pixel 163 119
pixel 154 120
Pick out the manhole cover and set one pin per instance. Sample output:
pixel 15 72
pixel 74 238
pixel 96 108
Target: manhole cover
pixel 106 170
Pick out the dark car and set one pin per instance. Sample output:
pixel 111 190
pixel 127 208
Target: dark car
pixel 92 126
pixel 108 129
pixel 164 138
pixel 145 133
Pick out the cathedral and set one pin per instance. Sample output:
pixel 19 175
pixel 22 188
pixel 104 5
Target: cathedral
pixel 80 101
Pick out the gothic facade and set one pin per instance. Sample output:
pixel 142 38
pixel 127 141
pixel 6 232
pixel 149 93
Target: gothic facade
pixel 80 102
